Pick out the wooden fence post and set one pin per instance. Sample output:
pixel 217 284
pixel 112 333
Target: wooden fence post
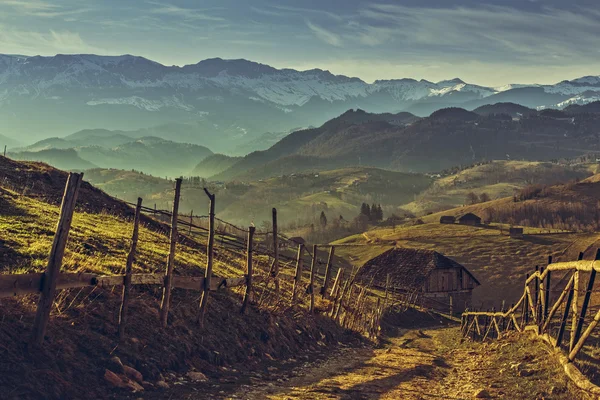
pixel 168 285
pixel 249 270
pixel 336 315
pixel 298 276
pixel 209 263
pixel 128 267
pixel 57 252
pixel 536 290
pixel 565 316
pixel 336 283
pixel 575 305
pixel 191 222
pixel 275 269
pixel 451 308
pixel 327 273
pixel 586 301
pixel 311 286
pixel 547 289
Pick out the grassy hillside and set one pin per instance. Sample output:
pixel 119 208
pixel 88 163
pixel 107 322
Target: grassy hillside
pixel 82 334
pixel 67 159
pixel 497 261
pixel 213 165
pixel 497 179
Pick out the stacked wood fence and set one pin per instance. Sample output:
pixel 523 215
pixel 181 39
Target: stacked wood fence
pixel 556 305
pixel 353 306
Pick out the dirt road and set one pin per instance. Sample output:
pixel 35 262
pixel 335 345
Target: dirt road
pixel 427 363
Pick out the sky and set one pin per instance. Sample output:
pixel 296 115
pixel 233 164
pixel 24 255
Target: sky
pixel 488 42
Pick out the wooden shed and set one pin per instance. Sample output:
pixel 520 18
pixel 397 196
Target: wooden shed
pixel 469 219
pixel 516 233
pixel 434 277
pixel 447 219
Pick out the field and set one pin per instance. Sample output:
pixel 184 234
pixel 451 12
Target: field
pixel 497 179
pixel 499 262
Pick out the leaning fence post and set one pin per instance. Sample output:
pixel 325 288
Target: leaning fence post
pixel 166 298
pixel 327 273
pixel 547 288
pixel 57 252
pixel 575 305
pixel 209 263
pixel 311 286
pixel 249 272
pixel 336 283
pixel 298 276
pixel 275 269
pixel 128 267
pixel 565 316
pixel 586 301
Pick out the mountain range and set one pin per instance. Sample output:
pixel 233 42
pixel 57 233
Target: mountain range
pixel 225 104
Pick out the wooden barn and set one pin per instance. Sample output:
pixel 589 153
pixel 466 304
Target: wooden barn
pixel 447 219
pixel 469 219
pixel 432 276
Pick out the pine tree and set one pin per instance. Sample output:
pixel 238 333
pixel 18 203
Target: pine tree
pixel 365 210
pixel 323 220
pixel 374 212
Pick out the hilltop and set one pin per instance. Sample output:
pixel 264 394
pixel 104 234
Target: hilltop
pixel 493 180
pixel 98 148
pixel 447 138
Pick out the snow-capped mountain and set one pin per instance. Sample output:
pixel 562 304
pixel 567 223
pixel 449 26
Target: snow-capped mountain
pixel 232 99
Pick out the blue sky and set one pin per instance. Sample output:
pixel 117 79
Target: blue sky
pixel 486 42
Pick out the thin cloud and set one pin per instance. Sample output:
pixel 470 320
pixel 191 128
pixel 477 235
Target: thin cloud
pixel 325 35
pixel 184 13
pixel 45 43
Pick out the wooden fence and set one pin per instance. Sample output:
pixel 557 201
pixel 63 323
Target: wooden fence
pixel 349 304
pixel 558 314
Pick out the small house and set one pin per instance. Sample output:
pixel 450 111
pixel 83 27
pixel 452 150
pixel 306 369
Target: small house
pixel 433 277
pixel 447 219
pixel 516 233
pixel 469 219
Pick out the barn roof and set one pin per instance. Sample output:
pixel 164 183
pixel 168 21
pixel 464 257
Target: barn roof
pixel 469 216
pixel 408 268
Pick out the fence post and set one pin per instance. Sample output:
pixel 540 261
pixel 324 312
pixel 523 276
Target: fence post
pixel 128 267
pixel 536 290
pixel 451 308
pixel 565 316
pixel 298 276
pixel 191 222
pixel 209 263
pixel 311 286
pixel 336 283
pixel 275 269
pixel 547 288
pixel 336 314
pixel 166 298
pixel 249 270
pixel 327 273
pixel 586 301
pixel 57 252
pixel 575 305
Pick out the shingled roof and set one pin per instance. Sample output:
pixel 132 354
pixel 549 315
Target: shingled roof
pixel 408 268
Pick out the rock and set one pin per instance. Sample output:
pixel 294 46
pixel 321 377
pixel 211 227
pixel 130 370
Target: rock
pixel 134 386
pixel 133 374
pixel 482 394
pixel 197 376
pixel 113 379
pixel 162 385
pixel 115 365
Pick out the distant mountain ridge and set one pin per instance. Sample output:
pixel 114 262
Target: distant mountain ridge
pixel 226 101
pixel 448 138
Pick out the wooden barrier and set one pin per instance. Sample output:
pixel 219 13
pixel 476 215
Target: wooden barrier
pixel 539 305
pixel 298 274
pixel 128 268
pixel 248 294
pixel 166 299
pixel 311 285
pixel 57 252
pixel 209 257
pixel 327 273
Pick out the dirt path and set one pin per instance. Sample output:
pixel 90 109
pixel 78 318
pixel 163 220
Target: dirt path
pixel 427 363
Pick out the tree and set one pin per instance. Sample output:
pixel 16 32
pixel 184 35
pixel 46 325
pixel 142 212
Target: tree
pixel 323 220
pixel 472 198
pixel 484 197
pixel 365 210
pixel 374 212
